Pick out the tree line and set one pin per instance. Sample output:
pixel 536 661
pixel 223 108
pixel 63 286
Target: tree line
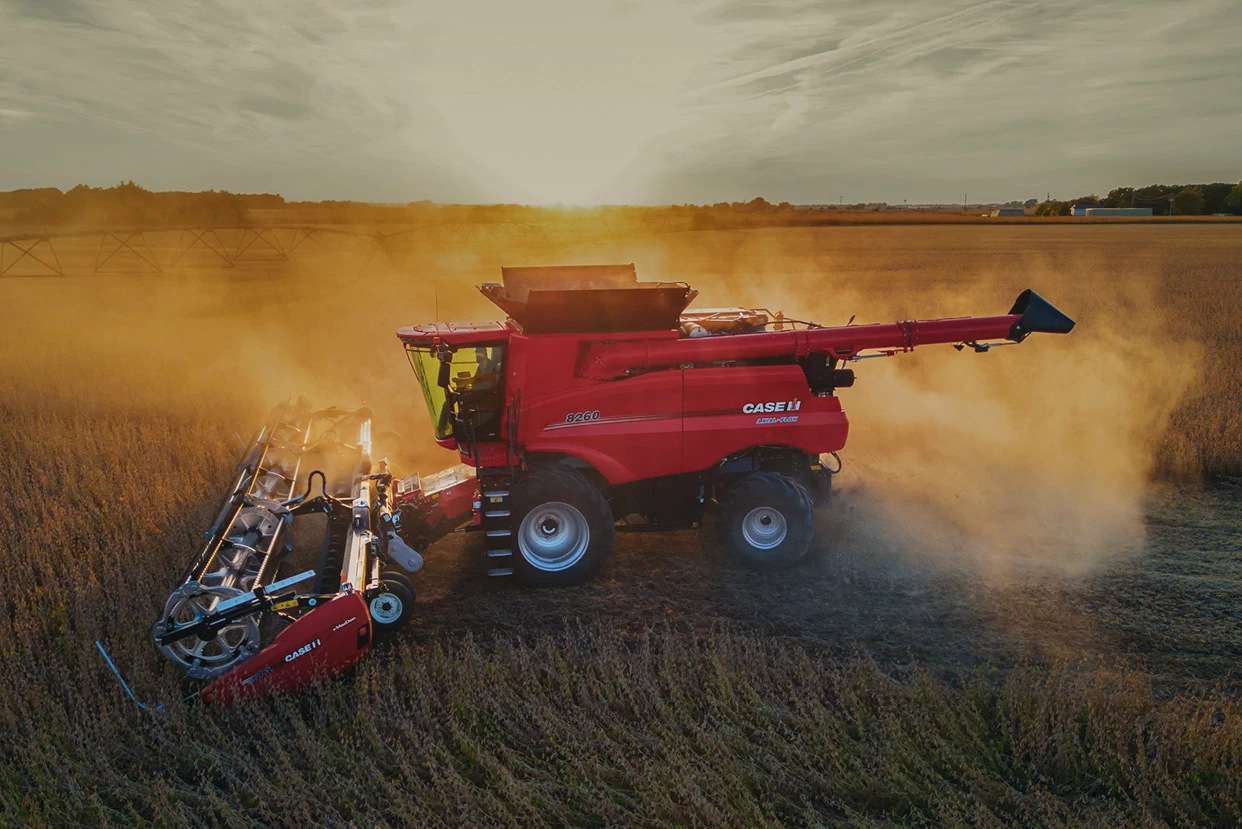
pixel 130 205
pixel 1163 199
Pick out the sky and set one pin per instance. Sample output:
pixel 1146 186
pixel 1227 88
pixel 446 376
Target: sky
pixel 622 101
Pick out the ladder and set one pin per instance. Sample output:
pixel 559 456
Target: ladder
pixel 496 507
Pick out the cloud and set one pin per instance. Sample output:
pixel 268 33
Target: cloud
pixel 1002 99
pixel 556 100
pixel 73 12
pixel 185 94
pixel 12 116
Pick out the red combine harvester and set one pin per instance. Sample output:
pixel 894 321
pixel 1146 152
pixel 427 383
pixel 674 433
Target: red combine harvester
pixel 600 400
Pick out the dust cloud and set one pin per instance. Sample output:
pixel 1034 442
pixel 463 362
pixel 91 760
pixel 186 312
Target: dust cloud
pixel 1026 458
pixel 1035 455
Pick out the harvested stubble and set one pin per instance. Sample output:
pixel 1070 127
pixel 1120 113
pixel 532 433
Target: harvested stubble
pixel 117 442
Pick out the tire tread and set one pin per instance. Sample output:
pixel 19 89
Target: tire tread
pixel 553 483
pixel 772 489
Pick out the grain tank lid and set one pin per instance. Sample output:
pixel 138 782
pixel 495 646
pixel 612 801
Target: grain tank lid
pixel 588 298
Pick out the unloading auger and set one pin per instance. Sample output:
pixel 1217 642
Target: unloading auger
pixel 599 401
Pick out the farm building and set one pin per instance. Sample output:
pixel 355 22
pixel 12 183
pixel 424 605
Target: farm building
pixel 1008 211
pixel 1117 211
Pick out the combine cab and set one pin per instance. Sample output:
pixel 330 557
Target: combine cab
pixel 600 401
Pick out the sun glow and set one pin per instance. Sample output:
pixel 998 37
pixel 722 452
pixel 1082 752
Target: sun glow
pixel 563 112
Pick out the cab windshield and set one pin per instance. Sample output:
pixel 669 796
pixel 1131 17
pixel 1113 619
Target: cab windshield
pixel 475 377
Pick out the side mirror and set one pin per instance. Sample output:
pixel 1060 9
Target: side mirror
pixel 446 367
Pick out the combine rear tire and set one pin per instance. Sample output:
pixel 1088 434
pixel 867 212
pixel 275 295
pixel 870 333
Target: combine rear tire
pixel 767 520
pixel 392 604
pixel 562 528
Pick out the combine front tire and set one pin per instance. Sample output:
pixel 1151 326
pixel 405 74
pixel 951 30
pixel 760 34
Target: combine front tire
pixel 562 528
pixel 767 520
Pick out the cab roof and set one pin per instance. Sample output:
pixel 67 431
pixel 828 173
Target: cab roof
pixel 453 333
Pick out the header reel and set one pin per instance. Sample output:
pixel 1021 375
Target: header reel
pixel 232 606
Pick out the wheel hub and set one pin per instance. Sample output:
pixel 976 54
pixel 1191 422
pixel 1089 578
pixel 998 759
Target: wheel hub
pixel 553 536
pixel 764 528
pixel 386 608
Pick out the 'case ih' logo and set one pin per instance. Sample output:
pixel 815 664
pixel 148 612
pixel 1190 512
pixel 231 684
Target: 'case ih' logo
pixel 772 406
pixel 302 651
